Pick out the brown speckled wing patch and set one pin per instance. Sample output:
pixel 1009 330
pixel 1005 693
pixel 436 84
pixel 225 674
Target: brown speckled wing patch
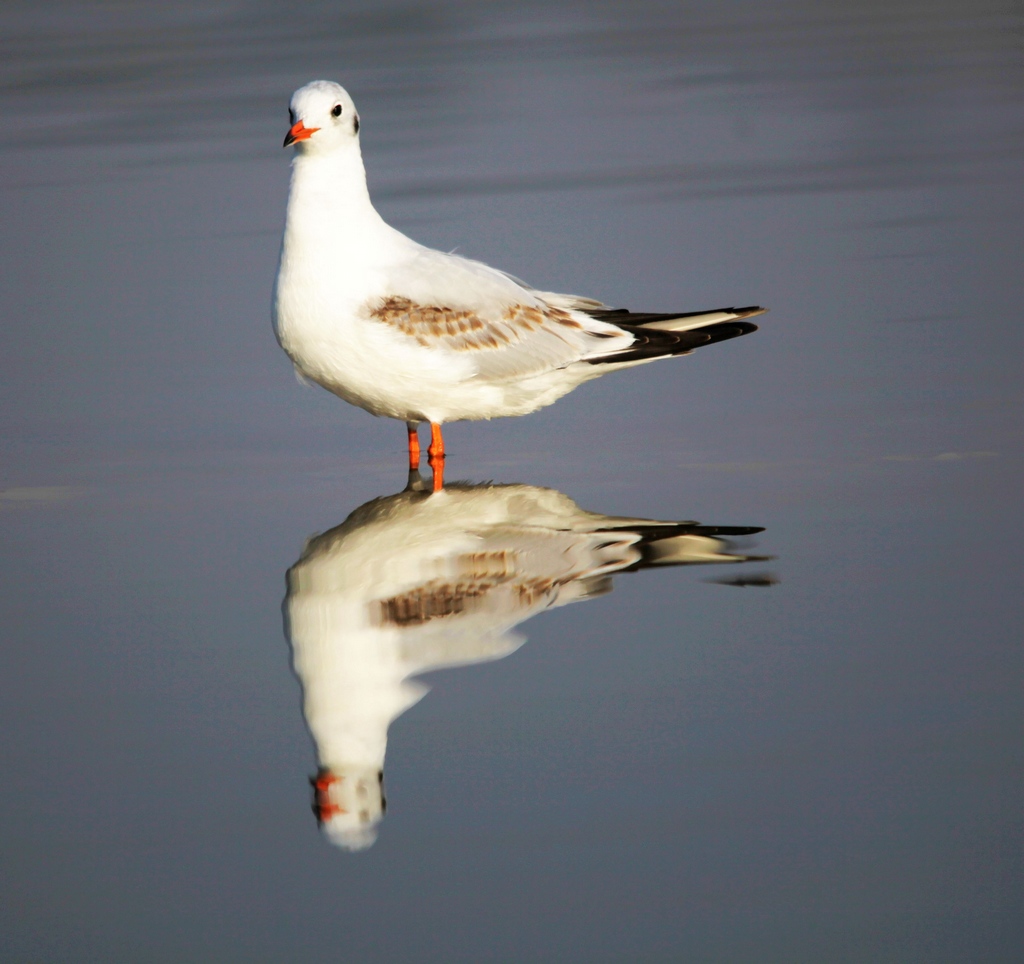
pixel 480 573
pixel 465 330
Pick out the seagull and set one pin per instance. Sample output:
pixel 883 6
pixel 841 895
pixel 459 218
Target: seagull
pixel 418 581
pixel 415 334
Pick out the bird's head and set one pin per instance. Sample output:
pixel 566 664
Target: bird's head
pixel 349 804
pixel 323 117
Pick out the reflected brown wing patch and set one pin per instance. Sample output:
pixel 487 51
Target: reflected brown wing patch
pixel 479 573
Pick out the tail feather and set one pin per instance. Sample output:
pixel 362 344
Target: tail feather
pixel 659 335
pixel 688 544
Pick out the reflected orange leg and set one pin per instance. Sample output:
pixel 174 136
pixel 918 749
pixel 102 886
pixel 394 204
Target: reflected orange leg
pixel 436 456
pixel 414 449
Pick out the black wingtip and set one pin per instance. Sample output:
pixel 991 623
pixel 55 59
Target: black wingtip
pixel 656 342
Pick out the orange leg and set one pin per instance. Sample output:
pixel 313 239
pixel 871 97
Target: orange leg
pixel 414 448
pixel 436 456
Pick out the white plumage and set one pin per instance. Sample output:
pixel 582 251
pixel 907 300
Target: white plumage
pixel 405 331
pixel 414 582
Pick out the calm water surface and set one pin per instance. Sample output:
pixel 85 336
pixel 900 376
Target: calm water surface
pixel 808 757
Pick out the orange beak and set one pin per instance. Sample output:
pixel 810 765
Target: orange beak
pixel 299 132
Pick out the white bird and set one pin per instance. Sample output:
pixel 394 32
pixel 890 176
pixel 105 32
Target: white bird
pixel 405 331
pixel 413 582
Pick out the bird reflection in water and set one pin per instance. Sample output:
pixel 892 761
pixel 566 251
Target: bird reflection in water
pixel 421 580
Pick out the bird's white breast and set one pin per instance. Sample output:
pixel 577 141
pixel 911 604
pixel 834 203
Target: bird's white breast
pixel 340 261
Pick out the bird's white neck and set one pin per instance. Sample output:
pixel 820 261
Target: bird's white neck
pixel 329 208
pixel 353 676
pixel 349 715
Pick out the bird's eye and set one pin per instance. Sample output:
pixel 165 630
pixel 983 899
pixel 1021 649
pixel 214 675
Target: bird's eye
pixel 336 110
pixel 291 115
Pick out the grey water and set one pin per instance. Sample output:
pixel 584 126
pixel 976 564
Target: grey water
pixel 806 751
